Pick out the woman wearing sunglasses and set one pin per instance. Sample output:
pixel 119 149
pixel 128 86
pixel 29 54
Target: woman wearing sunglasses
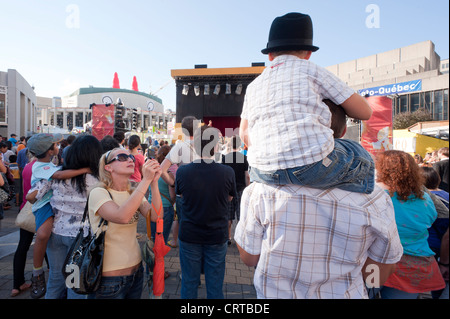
pixel 116 201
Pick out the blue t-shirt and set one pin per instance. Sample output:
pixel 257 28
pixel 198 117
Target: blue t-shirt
pixel 13 141
pixel 413 218
pixel 443 196
pixel 43 171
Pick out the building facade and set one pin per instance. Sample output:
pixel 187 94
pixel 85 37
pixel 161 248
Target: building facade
pixel 17 105
pixel 417 66
pixel 75 110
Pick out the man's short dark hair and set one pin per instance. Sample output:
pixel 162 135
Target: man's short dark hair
pixel 187 124
pixel 205 140
pixel 70 139
pixel 432 178
pixel 108 143
pixel 119 136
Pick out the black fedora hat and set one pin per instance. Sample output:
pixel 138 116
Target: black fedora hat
pixel 293 31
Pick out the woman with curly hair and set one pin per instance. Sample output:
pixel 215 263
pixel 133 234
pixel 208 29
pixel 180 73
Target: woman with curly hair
pixel 417 271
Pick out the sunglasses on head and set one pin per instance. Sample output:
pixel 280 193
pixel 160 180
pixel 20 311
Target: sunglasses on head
pixel 122 157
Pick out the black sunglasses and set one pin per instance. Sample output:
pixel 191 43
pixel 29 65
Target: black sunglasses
pixel 122 157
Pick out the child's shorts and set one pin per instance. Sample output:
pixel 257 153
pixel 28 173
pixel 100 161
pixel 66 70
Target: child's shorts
pixel 349 167
pixel 42 214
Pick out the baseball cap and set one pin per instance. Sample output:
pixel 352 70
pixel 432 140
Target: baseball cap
pixel 38 144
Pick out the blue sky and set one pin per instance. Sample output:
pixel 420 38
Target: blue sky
pixel 59 45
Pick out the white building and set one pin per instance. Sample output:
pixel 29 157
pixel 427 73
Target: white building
pixel 75 110
pixel 17 105
pixel 417 63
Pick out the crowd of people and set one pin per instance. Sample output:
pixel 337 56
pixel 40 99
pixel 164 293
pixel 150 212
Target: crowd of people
pixel 318 216
pixel 201 196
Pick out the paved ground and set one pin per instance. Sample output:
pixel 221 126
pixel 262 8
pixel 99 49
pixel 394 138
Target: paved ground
pixel 237 283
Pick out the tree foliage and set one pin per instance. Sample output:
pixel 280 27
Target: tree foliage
pixel 405 120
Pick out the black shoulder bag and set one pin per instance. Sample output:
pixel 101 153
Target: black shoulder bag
pixel 83 265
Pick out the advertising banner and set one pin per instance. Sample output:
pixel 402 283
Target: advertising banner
pixel 376 135
pixel 103 120
pixel 398 88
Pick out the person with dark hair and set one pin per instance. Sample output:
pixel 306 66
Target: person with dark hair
pixel 108 143
pixel 134 143
pixel 68 202
pixel 440 225
pixel 69 141
pixel 432 182
pixel 206 188
pixel 25 236
pixel 22 144
pixel 442 167
pixel 168 196
pixel 238 162
pixel 182 153
pixel 5 148
pixel 44 148
pixel 13 139
pixel 120 137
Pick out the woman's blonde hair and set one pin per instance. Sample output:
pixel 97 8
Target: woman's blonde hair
pixel 105 178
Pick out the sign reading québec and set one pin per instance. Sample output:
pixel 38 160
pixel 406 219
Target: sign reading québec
pixel 397 88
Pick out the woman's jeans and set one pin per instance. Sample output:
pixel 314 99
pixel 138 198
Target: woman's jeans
pixel 57 249
pixel 191 257
pixel 392 293
pixel 349 167
pixel 169 213
pixel 121 287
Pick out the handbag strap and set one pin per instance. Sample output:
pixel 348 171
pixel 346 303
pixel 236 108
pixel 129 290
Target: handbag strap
pixel 86 210
pixel 167 199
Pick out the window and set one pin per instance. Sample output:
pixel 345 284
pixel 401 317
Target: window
pixel 403 103
pixel 79 119
pixel 426 100
pixel 445 106
pixel 69 120
pixel 415 102
pixel 438 105
pixel 3 108
pixel 60 119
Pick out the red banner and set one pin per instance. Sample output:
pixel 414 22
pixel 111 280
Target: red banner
pixel 376 133
pixel 103 120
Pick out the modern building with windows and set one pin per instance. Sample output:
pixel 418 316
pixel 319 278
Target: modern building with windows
pixel 17 104
pixel 75 110
pixel 414 76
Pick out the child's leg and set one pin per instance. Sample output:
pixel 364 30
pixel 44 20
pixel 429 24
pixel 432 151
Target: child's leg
pixel 40 244
pixel 279 177
pixel 349 167
pixel 44 225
